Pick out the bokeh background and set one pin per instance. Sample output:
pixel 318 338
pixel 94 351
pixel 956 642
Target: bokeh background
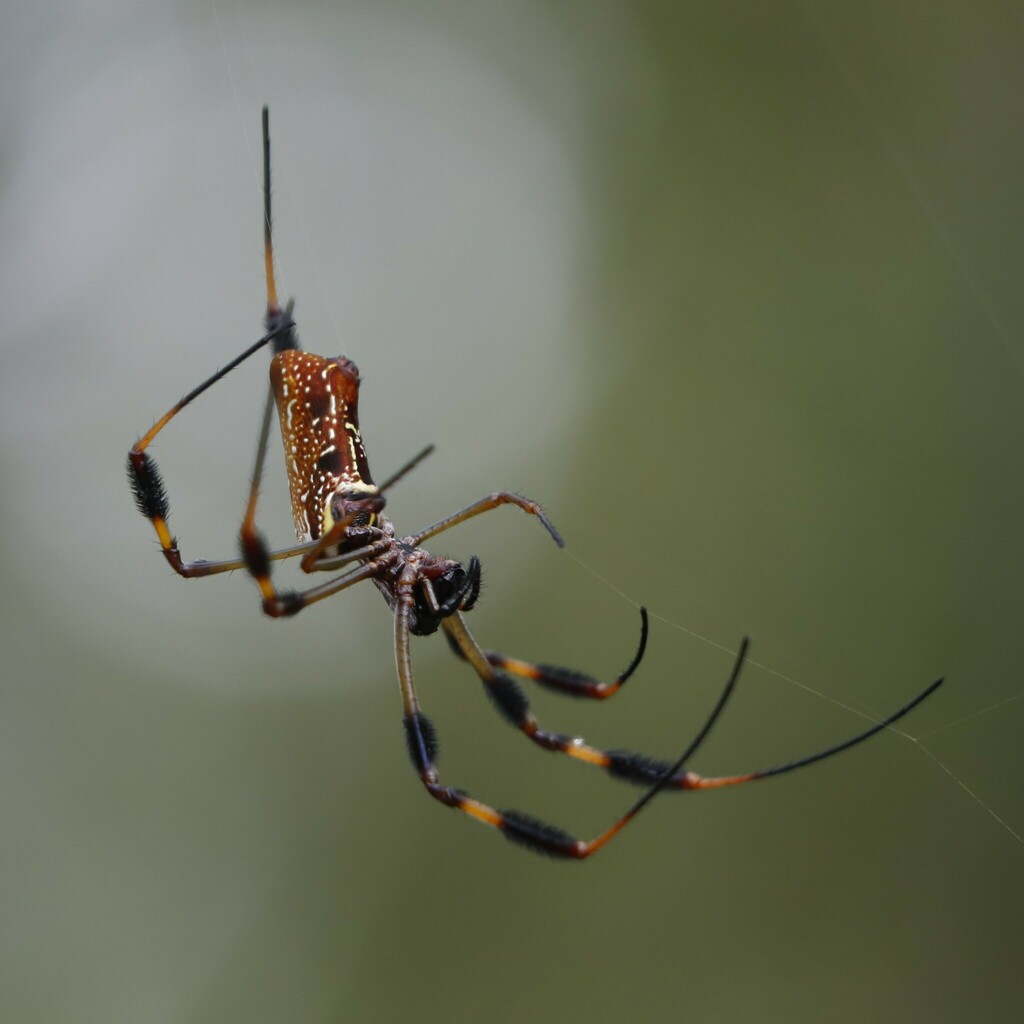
pixel 734 289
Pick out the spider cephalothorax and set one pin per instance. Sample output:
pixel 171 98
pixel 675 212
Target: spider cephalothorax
pixel 338 513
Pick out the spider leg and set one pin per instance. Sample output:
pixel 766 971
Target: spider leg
pixel 147 485
pixel 143 475
pixel 567 681
pixel 521 828
pixel 485 505
pixel 628 765
pixel 690 780
pixel 278 603
pixel 372 550
pixel 513 705
pixel 314 559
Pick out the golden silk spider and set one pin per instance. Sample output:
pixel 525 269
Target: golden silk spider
pixel 340 521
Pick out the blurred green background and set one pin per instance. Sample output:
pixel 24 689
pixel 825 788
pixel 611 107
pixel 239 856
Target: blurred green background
pixel 734 289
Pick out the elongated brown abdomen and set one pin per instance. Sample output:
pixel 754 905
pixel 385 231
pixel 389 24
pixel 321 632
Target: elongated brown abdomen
pixel 317 404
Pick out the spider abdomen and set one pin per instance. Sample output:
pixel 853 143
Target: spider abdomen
pixel 318 408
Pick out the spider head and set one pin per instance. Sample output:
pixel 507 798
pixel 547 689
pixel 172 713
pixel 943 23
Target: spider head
pixel 455 589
